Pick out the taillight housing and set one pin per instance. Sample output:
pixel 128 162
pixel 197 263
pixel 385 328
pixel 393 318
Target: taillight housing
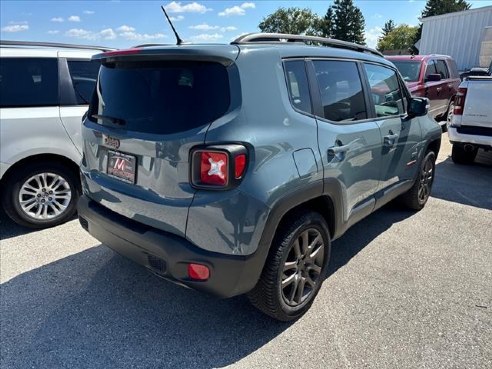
pixel 218 167
pixel 459 101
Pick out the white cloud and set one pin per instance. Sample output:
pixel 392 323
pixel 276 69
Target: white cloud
pixel 15 28
pixel 177 18
pixel 248 5
pixel 228 29
pixel 108 34
pixel 372 36
pixel 176 7
pixel 53 32
pixel 74 18
pixel 207 37
pixel 89 12
pixel 57 19
pixel 141 36
pixel 81 33
pixel 204 27
pixel 235 10
pixel 125 28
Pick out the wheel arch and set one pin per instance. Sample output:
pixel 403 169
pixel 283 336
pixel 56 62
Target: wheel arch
pixel 55 158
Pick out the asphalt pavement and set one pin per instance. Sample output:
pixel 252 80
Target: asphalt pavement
pixel 406 290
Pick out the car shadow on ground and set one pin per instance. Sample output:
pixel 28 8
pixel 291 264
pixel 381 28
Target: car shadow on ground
pixel 465 184
pixel 97 309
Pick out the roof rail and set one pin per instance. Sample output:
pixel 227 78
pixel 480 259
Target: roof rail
pixel 147 45
pixel 286 38
pixel 52 44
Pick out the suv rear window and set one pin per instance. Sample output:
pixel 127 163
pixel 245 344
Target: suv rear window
pixel 28 82
pixel 160 97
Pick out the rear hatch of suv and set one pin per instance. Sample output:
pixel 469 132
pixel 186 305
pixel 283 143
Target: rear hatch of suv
pixel 150 107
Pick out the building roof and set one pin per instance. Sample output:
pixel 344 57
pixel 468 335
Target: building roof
pixel 456 14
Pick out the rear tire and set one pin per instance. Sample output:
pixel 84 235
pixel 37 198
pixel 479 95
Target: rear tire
pixel 417 196
pixel 41 195
pixel 460 156
pixel 295 268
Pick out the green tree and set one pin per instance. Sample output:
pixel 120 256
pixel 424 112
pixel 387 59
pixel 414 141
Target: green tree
pixel 348 22
pixel 292 20
pixel 326 25
pixel 439 7
pixel 400 38
pixel 388 27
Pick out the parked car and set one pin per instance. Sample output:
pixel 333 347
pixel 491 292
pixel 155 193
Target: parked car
pixel 231 168
pixel 477 71
pixel 470 123
pixel 433 76
pixel 44 91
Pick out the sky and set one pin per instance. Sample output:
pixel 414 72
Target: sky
pixel 123 24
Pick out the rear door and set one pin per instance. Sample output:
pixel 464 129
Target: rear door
pixel 349 142
pixel 144 118
pixel 30 122
pixel 401 137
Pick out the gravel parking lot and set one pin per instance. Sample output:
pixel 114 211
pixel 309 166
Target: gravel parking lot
pixel 406 290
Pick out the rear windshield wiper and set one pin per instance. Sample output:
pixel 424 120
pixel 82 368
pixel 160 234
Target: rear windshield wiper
pixel 113 120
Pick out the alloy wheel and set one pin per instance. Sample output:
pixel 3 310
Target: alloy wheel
pixel 426 179
pixel 45 196
pixel 302 268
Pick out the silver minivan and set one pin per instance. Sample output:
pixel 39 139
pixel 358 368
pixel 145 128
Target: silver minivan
pixel 45 89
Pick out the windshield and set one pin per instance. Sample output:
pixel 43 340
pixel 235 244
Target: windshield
pixel 409 70
pixel 160 97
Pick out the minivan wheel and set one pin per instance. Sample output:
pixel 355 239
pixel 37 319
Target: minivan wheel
pixel 41 195
pixel 417 196
pixel 461 156
pixel 295 268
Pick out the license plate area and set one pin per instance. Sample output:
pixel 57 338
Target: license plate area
pixel 122 166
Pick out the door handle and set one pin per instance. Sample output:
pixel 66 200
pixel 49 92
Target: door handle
pixel 439 89
pixel 389 140
pixel 338 149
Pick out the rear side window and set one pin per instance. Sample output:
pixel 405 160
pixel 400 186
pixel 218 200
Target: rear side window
pixel 84 77
pixel 160 97
pixel 385 90
pixel 442 69
pixel 298 86
pixel 28 82
pixel 341 92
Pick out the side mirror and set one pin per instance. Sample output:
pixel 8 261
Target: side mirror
pixel 433 77
pixel 418 107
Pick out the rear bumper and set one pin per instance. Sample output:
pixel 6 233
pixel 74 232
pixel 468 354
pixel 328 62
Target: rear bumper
pixel 167 255
pixel 456 138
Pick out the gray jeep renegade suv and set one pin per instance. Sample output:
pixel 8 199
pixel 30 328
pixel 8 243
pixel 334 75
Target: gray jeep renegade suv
pixel 231 168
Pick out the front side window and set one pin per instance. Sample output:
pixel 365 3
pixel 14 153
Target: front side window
pixel 442 69
pixel 385 90
pixel 341 92
pixel 297 84
pixel 430 69
pixel 84 77
pixel 28 82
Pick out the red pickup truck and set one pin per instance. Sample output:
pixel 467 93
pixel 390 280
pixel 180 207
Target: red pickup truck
pixel 433 76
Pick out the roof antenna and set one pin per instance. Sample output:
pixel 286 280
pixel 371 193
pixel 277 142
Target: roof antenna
pixel 179 41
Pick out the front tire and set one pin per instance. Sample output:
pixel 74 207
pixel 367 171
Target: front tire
pixel 295 268
pixel 41 195
pixel 417 196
